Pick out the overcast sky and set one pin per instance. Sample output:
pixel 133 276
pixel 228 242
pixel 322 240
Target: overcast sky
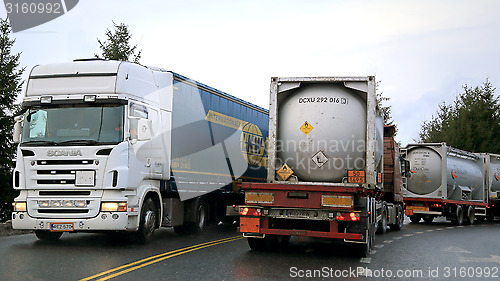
pixel 421 51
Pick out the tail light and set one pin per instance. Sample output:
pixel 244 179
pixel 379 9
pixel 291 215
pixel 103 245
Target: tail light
pixel 352 216
pixel 245 211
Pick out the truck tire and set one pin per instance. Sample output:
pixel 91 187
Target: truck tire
pixel 458 219
pixel 471 215
pixel 149 221
pixel 364 249
pixel 428 219
pixel 399 219
pixel 47 235
pixel 415 219
pixel 382 224
pixel 201 216
pixel 269 242
pixel 259 244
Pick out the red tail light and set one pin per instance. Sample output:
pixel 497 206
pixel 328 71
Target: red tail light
pixel 352 216
pixel 249 211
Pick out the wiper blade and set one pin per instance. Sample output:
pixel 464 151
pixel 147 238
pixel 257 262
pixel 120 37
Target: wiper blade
pixel 39 142
pixel 75 142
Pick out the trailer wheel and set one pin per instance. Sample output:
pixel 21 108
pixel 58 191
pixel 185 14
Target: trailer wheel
pixel 459 216
pixel 428 219
pixel 148 221
pixel 382 224
pixel 47 235
pixel 269 242
pixel 259 244
pixel 400 218
pixel 471 215
pixel 415 219
pixel 364 249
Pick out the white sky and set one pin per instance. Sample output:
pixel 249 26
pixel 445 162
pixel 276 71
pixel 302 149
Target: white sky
pixel 421 51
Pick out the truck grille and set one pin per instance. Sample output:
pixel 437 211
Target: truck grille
pixel 61 173
pixel 65 162
pixel 66 211
pixel 64 193
pixel 55 182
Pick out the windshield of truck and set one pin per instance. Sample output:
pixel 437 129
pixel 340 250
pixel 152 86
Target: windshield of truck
pixel 73 125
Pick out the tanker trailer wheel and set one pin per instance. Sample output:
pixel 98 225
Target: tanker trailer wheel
pixel 471 215
pixel 382 224
pixel 399 219
pixel 459 216
pixel 364 249
pixel 260 244
pixel 47 235
pixel 148 221
pixel 428 219
pixel 269 242
pixel 415 219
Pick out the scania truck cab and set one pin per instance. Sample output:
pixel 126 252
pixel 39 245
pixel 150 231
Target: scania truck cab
pixel 95 150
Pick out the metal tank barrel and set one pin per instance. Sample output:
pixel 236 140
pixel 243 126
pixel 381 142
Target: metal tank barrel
pixel 492 168
pixel 438 171
pixel 322 130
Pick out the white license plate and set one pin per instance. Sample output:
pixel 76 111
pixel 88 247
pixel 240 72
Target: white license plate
pixel 65 226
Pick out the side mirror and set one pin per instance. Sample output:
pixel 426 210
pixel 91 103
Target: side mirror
pixel 144 127
pixel 18 128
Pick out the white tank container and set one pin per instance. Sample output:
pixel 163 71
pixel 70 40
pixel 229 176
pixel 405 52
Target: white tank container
pixel 438 171
pixel 322 128
pixel 492 169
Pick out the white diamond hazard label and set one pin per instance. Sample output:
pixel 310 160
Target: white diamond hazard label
pixel 319 158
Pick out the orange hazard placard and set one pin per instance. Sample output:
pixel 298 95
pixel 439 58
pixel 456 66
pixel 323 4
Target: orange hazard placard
pixel 249 225
pixel 356 176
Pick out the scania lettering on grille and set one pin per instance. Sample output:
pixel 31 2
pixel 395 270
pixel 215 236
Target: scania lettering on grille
pixel 77 152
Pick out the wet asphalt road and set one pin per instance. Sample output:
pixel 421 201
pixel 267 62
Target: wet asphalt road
pixel 438 251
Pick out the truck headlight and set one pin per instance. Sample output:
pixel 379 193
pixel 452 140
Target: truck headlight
pixel 43 203
pixel 113 206
pixel 19 206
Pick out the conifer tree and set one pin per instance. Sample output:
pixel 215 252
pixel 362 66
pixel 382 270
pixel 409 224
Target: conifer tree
pixel 117 45
pixel 471 123
pixel 11 86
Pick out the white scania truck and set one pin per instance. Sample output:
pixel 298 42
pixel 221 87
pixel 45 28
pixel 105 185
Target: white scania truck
pixel 116 146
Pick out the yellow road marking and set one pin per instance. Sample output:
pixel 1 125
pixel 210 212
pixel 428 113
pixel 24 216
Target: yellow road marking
pixel 157 258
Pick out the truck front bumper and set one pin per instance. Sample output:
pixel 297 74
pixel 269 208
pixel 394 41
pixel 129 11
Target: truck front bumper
pixel 103 221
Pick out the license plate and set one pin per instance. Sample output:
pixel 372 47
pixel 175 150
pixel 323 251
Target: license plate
pixel 297 214
pixel 62 226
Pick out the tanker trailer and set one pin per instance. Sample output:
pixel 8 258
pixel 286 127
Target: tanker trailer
pixel 325 166
pixel 444 182
pixel 492 175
